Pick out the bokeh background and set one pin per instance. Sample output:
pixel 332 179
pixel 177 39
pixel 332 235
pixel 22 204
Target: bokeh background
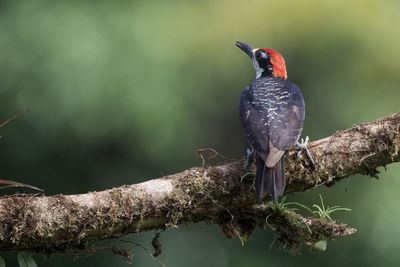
pixel 123 91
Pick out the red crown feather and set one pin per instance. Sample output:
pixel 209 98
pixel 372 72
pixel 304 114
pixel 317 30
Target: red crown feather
pixel 278 63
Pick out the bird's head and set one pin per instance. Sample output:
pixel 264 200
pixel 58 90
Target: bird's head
pixel 266 61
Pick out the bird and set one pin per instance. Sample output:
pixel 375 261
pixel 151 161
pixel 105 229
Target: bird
pixel 272 113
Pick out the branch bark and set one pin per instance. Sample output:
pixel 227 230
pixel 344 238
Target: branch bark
pixel 221 194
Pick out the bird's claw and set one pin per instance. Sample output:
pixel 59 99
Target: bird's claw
pixel 303 145
pixel 250 153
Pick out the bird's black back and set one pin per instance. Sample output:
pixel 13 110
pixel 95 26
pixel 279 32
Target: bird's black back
pixel 272 110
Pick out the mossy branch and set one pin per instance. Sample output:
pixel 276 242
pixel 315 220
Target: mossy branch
pixel 221 194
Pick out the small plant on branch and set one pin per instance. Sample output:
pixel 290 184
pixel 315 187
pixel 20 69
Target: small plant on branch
pixel 320 210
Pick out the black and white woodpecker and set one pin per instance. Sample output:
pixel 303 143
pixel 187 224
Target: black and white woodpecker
pixel 272 115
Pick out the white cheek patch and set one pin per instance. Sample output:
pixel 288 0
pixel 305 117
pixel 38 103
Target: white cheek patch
pixel 259 70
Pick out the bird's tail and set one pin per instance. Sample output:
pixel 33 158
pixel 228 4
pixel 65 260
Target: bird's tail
pixel 270 180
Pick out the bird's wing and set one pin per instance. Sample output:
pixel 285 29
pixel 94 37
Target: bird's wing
pixel 284 131
pixel 254 122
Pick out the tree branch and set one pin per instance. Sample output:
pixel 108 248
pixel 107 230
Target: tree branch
pixel 221 194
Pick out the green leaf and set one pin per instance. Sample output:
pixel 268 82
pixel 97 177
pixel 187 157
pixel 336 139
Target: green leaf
pixel 26 260
pixel 320 245
pixel 2 262
pixel 322 202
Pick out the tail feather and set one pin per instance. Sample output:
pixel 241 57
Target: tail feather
pixel 270 180
pixel 280 181
pixel 259 182
pixel 270 184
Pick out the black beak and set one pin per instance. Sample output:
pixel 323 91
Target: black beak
pixel 245 48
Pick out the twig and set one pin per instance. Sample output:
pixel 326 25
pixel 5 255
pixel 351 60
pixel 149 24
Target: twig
pixel 13 118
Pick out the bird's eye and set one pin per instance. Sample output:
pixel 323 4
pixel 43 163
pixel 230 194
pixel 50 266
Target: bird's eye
pixel 260 54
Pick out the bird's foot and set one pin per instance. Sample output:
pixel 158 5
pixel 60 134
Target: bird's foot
pixel 303 146
pixel 249 158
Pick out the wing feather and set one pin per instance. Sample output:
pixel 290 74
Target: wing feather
pixel 254 121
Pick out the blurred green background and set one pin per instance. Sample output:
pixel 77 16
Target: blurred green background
pixel 123 91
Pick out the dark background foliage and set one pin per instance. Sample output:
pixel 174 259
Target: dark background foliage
pixel 123 91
